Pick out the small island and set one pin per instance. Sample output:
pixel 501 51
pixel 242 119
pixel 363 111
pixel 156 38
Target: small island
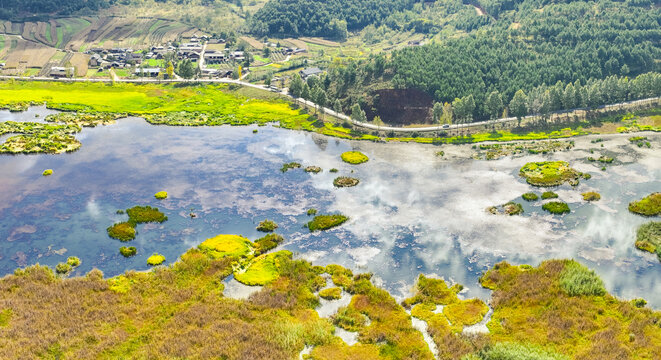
pixel 549 195
pixel 128 251
pixel 345 181
pixel 530 196
pixel 292 165
pixel 267 226
pixel 312 169
pixel 549 173
pixel 161 195
pixel 354 157
pixel 510 208
pixel 325 222
pixel 648 238
pixel 591 196
pixel 556 207
pixel 647 206
pixel 123 231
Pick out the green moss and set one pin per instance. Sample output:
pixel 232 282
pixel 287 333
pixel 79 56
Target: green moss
pixel 313 169
pixel 591 196
pixel 549 195
pixel 73 261
pixel 128 251
pixel 465 313
pixel 647 206
pixel 145 214
pixel 226 245
pixel 155 259
pixel 556 207
pixel 267 226
pixel 333 293
pixel 549 173
pixel 123 231
pixel 606 159
pixel 47 172
pixel 62 268
pixel 433 291
pixel 510 208
pixel 267 243
pixel 333 170
pixel 648 237
pixel 161 195
pixel 345 181
pixel 292 165
pixel 530 196
pixel 354 157
pixel 263 269
pixel 517 351
pixel 311 212
pixel 325 222
pixel 350 319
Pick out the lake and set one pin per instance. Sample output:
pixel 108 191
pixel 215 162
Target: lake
pixel 413 212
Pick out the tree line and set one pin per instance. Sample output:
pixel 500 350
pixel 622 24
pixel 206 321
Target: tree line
pixel 12 9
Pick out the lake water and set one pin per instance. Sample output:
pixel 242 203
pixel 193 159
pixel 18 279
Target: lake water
pixel 412 213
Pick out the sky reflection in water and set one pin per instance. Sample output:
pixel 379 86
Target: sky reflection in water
pixel 412 212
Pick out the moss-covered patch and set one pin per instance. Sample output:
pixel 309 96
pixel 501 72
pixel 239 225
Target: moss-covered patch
pixel 145 214
pixel 496 151
pixel 530 196
pixel 5 317
pixel 155 259
pixel 226 245
pixel 38 138
pixel 267 226
pixel 128 251
pixel 516 351
pixel 465 312
pixel 62 268
pixel 333 293
pixel 549 173
pixel 556 207
pixel 647 206
pixel 325 222
pixel 292 165
pixel 312 169
pixel 345 181
pixel 263 269
pixel 591 196
pixel 161 195
pixel 350 319
pixel 73 261
pixel 123 231
pixel 648 237
pixel 311 212
pixel 47 172
pixel 354 157
pixel 510 208
pixel 577 280
pixel 549 195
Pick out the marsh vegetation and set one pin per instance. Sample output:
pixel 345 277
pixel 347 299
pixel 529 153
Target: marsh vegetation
pixel 549 173
pixel 325 222
pixel 647 206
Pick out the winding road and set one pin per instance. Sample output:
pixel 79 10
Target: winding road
pixel 341 116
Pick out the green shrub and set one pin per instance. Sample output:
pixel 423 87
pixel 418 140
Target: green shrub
pixel 324 222
pixel 556 207
pixel 267 226
pixel 333 170
pixel 354 157
pixel 577 280
pixel 73 261
pixel 156 259
pixel 123 231
pixel 530 196
pixel 648 237
pixel 549 195
pixel 647 206
pixel 62 268
pixel 312 211
pixel 128 251
pixel 549 173
pixel 267 243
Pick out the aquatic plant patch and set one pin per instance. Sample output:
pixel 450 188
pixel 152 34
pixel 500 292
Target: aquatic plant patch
pixel 530 196
pixel 325 222
pixel 128 251
pixel 47 172
pixel 155 259
pixel 266 243
pixel 591 196
pixel 84 119
pixel 332 293
pixel 556 207
pixel 312 169
pixel 345 181
pixel 311 212
pixel 648 237
pixel 549 173
pixel 577 280
pixel 549 195
pixel 354 157
pixel 267 226
pixel 287 166
pixel 497 151
pixel 123 231
pixel 161 195
pixel 510 208
pixel 648 206
pixel 145 214
pixel 262 269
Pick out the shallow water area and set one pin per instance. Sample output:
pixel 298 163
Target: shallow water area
pixel 413 212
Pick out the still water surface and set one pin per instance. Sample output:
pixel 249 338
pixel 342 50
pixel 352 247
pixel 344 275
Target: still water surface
pixel 412 213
